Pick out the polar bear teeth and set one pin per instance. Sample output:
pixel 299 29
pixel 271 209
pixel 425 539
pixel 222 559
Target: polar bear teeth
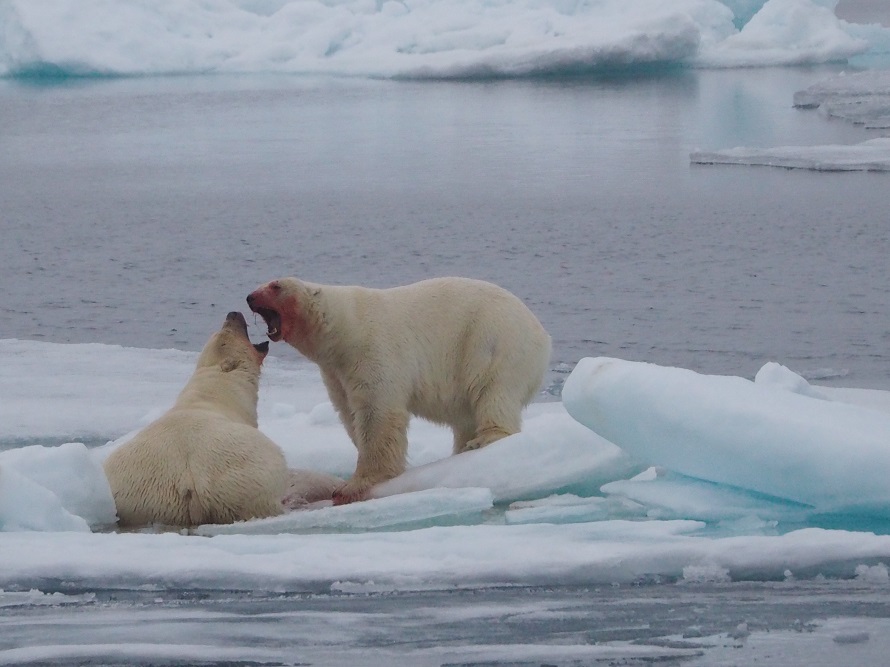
pixel 273 331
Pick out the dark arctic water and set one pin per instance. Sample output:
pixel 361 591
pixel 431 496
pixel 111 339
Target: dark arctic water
pixel 789 624
pixel 137 212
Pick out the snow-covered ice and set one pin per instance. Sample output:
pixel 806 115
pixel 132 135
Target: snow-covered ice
pixel 418 509
pixel 420 38
pixel 870 155
pixel 862 98
pixel 859 97
pixel 811 27
pixel 676 470
pixel 830 455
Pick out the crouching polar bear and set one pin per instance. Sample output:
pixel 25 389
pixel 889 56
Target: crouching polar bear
pixel 455 351
pixel 204 460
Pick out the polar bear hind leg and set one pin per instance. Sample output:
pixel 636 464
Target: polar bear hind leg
pixel 499 391
pixel 496 417
pixel 494 411
pixel 463 433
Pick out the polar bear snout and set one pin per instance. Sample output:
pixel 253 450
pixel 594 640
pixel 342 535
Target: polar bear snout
pixel 235 320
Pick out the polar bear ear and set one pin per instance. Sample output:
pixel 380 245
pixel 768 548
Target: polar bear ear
pixel 228 365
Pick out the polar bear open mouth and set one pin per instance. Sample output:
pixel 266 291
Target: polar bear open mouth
pixel 273 322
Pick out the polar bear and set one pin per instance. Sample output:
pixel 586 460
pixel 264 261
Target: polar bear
pixel 455 351
pixel 204 461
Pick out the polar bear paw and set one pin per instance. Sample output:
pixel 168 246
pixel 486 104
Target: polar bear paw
pixel 485 438
pixel 351 492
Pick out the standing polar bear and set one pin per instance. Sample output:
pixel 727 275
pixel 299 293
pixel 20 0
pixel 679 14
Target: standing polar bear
pixel 204 461
pixel 456 351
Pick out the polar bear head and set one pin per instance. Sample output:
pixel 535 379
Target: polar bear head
pixel 292 310
pixel 227 374
pixel 230 347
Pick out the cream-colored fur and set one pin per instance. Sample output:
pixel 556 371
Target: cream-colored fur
pixel 204 461
pixel 455 351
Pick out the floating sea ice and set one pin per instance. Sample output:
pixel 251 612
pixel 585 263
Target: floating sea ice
pixel 25 505
pixel 33 408
pixel 36 598
pixel 785 32
pixel 779 376
pixel 705 574
pixel 311 438
pixel 410 510
pixel 871 155
pixel 873 574
pixel 782 377
pixel 831 455
pixel 552 454
pixel 569 508
pixel 71 473
pixel 670 495
pixel 862 98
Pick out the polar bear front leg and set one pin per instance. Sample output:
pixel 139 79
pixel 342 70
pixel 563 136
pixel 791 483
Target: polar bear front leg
pixel 381 436
pixel 340 401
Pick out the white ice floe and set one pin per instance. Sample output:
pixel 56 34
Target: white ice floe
pixel 26 505
pixel 786 32
pixel 747 473
pixel 859 97
pixel 564 455
pixel 74 475
pixel 870 155
pixel 423 508
pixel 729 430
pixel 418 38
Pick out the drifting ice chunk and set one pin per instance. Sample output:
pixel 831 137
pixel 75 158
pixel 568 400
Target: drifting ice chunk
pixel 72 474
pixel 777 375
pixel 785 33
pixel 830 455
pixel 862 98
pixel 669 495
pixel 871 155
pixel 25 505
pixel 412 510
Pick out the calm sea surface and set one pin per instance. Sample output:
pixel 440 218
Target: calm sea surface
pixel 138 212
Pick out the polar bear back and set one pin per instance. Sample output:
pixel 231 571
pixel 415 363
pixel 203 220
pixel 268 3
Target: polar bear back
pixel 443 340
pixel 193 466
